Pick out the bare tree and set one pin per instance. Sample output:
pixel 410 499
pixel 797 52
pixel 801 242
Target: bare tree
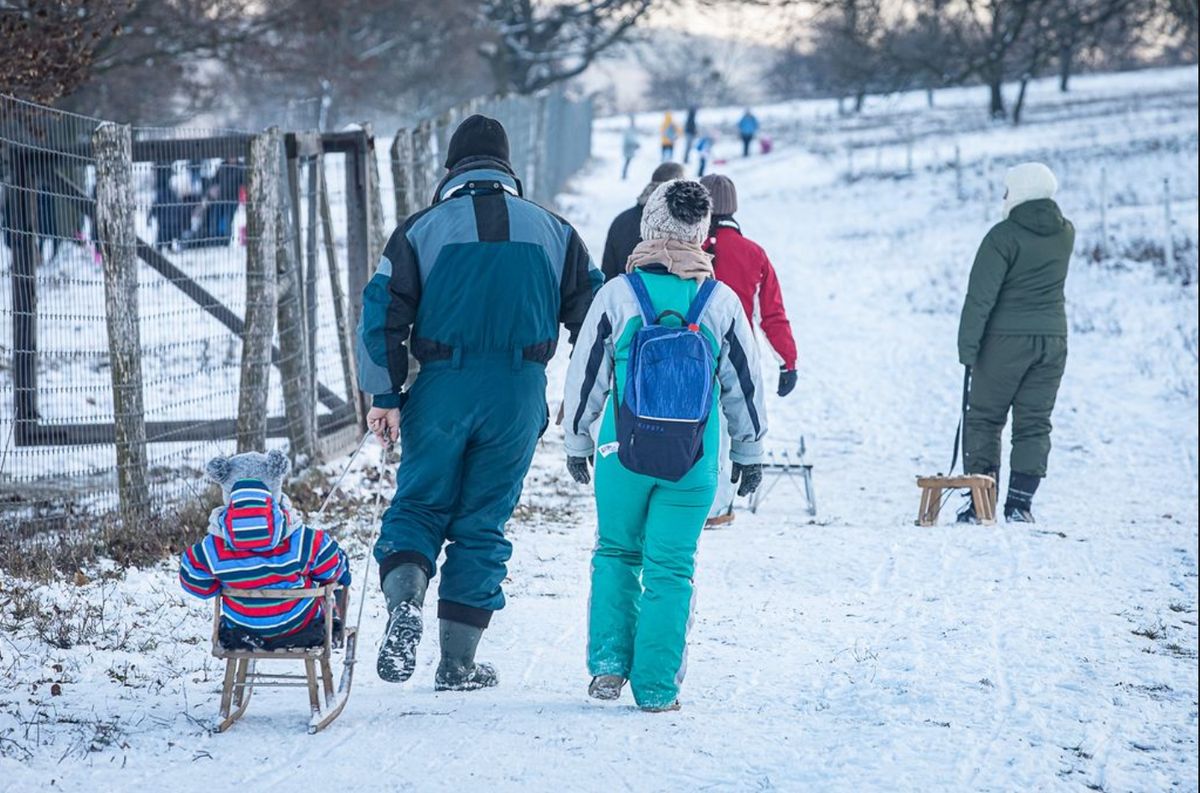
pixel 848 49
pixel 534 45
pixel 50 47
pixel 1076 25
pixel 364 58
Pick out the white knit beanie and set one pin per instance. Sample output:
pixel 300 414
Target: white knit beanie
pixel 678 210
pixel 1028 181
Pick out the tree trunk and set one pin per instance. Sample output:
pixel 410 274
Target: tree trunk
pixel 929 96
pixel 1066 61
pixel 1020 105
pixel 859 99
pixel 996 86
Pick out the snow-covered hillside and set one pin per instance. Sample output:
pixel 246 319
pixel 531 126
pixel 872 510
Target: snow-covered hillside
pixel 850 652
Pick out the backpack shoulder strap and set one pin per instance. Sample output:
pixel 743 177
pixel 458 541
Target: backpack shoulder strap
pixel 649 317
pixel 700 302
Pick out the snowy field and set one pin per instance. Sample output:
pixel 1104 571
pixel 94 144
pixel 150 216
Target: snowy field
pixel 851 652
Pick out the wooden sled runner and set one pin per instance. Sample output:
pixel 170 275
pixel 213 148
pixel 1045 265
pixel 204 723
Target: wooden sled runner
pixel 796 469
pixel 241 677
pixel 983 495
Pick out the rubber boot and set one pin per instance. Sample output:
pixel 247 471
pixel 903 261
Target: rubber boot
pixel 458 670
pixel 606 687
pixel 404 591
pixel 1018 507
pixel 966 514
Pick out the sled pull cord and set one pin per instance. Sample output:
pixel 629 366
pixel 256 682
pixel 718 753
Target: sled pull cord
pixel 962 421
pixel 379 502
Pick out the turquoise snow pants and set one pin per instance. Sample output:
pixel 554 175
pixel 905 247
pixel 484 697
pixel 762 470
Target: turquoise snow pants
pixel 642 568
pixel 467 436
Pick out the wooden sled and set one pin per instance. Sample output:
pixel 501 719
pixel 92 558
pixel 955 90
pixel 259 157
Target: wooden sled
pixel 241 677
pixel 796 469
pixel 983 495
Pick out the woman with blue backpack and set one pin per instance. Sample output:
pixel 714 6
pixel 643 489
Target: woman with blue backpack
pixel 662 349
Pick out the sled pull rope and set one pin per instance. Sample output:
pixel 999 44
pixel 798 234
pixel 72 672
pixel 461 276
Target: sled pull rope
pixel 338 483
pixel 379 501
pixel 962 423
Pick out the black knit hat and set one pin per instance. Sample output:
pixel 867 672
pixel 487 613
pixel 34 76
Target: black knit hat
pixel 478 136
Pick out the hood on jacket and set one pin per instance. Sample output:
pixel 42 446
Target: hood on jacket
pixel 252 519
pixel 1028 181
pixel 1042 217
pixel 478 168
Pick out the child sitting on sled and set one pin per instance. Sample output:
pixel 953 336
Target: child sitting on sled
pixel 255 542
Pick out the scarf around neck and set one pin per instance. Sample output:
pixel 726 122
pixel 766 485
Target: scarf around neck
pixel 682 259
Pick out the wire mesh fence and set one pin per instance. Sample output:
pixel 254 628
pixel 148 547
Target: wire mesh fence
pixel 170 294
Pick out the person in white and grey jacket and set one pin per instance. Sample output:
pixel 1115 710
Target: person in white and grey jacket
pixel 648 527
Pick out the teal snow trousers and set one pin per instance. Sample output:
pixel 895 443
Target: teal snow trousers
pixel 642 568
pixel 467 437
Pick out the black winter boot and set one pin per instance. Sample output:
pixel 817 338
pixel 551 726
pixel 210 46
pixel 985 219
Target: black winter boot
pixel 966 514
pixel 1018 507
pixel 458 670
pixel 404 590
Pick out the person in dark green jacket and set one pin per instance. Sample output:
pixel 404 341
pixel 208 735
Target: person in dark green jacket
pixel 1012 336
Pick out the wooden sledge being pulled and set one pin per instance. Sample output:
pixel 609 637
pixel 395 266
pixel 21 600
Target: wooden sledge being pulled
pixel 241 677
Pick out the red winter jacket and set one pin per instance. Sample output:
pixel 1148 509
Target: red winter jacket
pixel 745 268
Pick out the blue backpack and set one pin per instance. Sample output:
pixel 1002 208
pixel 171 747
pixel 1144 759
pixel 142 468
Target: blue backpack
pixel 668 393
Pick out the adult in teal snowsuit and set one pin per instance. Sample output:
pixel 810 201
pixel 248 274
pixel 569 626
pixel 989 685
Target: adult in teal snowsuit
pixel 475 286
pixel 644 559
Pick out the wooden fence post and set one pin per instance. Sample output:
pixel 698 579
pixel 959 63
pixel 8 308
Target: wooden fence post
pixel 262 209
pixel 299 406
pixel 376 225
pixel 402 172
pixel 339 295
pixel 113 148
pixel 1103 212
pixel 1168 227
pixel 422 163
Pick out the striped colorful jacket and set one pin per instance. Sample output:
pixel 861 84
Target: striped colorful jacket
pixel 253 543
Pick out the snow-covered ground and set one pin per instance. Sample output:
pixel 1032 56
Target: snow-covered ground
pixel 853 652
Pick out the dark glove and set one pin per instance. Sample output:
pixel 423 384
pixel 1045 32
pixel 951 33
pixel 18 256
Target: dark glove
pixel 577 467
pixel 751 476
pixel 787 381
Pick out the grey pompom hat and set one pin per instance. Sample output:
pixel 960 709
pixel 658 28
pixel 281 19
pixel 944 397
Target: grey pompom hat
pixel 678 210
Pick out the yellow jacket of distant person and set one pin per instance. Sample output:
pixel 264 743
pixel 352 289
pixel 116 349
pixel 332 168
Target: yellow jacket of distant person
pixel 669 130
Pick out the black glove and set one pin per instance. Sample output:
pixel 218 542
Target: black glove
pixel 751 476
pixel 577 467
pixel 787 381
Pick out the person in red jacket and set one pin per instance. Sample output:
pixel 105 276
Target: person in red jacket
pixel 743 265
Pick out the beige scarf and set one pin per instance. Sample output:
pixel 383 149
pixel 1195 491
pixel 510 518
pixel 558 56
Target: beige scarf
pixel 683 259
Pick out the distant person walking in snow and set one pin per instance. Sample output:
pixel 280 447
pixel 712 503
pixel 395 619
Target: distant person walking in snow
pixel 626 230
pixel 743 265
pixel 703 152
pixel 652 497
pixel 1012 336
pixel 747 128
pixel 476 286
pixel 689 133
pixel 669 132
pixel 629 146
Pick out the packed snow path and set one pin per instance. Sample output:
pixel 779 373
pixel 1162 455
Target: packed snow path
pixel 858 652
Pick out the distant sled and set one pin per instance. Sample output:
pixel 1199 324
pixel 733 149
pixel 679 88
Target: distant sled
pixel 792 467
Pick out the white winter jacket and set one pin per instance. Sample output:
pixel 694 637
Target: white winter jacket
pixel 590 375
